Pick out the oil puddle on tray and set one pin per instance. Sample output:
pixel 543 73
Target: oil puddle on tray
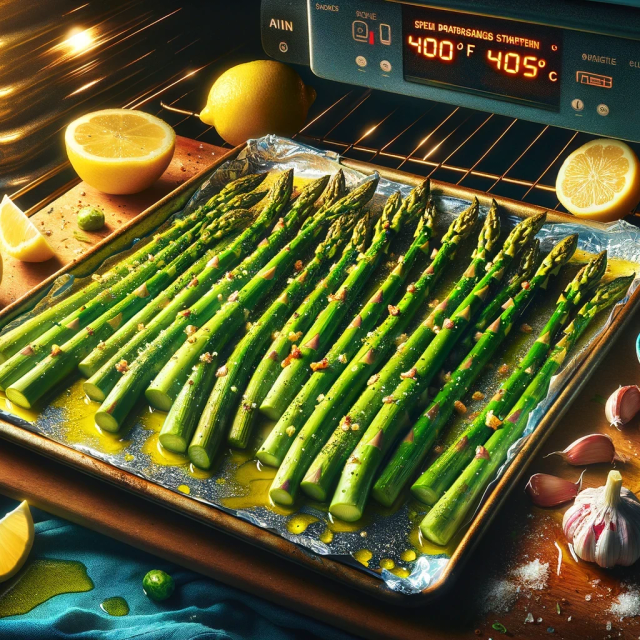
pixel 40 581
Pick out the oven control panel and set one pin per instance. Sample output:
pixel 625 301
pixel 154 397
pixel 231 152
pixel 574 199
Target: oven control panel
pixel 543 72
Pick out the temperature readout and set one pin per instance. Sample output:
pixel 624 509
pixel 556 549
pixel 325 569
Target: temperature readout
pixel 488 56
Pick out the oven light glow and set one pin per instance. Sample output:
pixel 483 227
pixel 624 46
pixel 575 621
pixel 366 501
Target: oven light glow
pixel 79 41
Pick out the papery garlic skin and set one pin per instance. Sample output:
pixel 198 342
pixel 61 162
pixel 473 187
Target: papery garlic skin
pixel 622 405
pixel 604 524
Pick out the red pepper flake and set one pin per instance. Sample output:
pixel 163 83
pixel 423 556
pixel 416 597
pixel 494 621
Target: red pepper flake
pixel 482 453
pixel 448 323
pixel 411 288
pixel 460 407
pixel 394 311
pixel 298 265
pixel 122 366
pixel 526 285
pixel 409 374
pixel 318 366
pixel 477 395
pixel 55 350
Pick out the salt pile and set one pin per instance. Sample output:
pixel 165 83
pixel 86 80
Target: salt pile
pixel 628 604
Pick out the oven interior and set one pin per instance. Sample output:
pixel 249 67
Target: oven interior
pixel 67 58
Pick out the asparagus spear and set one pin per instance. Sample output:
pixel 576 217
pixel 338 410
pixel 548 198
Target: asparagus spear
pixel 450 512
pixel 438 477
pixel 176 316
pixel 268 368
pixel 126 331
pixel 326 466
pixel 63 359
pixel 14 340
pixel 296 368
pixel 124 394
pixel 275 447
pixel 353 488
pixel 212 424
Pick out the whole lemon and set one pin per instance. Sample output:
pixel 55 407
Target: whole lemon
pixel 256 98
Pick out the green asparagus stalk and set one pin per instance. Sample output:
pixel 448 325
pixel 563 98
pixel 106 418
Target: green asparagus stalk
pixel 284 488
pixel 233 375
pixel 206 301
pixel 164 388
pixel 63 359
pixel 269 366
pixel 15 339
pixel 89 365
pixel 325 468
pixel 329 368
pixel 450 512
pixel 148 364
pixel 440 475
pixel 296 368
pixel 355 482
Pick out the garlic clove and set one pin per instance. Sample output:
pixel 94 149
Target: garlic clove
pixel 622 405
pixel 591 449
pixel 603 525
pixel 550 491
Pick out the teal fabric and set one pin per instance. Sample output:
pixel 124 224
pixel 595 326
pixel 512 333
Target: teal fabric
pixel 200 608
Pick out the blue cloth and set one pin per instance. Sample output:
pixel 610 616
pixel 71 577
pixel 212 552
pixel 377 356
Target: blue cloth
pixel 200 608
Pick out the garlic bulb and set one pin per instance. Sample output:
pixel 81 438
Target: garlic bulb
pixel 622 406
pixel 604 524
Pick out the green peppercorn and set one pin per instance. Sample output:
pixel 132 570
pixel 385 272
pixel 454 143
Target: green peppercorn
pixel 158 585
pixel 90 219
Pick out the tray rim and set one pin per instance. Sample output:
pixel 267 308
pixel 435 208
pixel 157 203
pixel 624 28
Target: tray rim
pixel 239 528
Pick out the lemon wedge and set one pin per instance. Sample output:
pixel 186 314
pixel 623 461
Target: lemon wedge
pixel 119 151
pixel 16 540
pixel 19 237
pixel 600 181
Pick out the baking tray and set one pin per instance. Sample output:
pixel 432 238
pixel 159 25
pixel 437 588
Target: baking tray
pixel 248 532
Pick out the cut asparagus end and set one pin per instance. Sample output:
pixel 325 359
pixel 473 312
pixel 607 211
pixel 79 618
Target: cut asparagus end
pixel 88 368
pixel 441 538
pixel 382 497
pixel 199 457
pixel 346 512
pixel 173 442
pixel 272 410
pixel 269 458
pixel 314 490
pixel 107 422
pixel 18 398
pixel 158 399
pixel 281 496
pixel 424 494
pixel 93 391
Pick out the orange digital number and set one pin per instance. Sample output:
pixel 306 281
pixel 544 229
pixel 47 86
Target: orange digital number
pixel 430 47
pixel 445 50
pixel 512 63
pixel 531 64
pixel 417 45
pixel 497 58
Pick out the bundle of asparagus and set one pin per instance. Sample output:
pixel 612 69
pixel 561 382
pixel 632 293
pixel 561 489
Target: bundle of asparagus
pixel 167 322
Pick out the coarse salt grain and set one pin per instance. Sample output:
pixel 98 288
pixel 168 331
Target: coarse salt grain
pixel 533 575
pixel 500 596
pixel 628 604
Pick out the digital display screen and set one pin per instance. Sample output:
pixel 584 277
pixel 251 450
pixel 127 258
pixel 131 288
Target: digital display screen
pixel 487 56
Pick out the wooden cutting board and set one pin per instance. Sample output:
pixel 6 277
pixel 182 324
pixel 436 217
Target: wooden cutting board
pixel 518 535
pixel 58 219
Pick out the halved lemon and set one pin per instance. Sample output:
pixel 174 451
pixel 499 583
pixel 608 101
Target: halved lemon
pixel 600 180
pixel 119 150
pixel 16 540
pixel 19 237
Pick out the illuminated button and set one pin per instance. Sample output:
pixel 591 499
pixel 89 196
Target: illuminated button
pixel 577 104
pixel 602 110
pixel 284 47
pixel 361 61
pixel 385 34
pixel 360 30
pixel 385 65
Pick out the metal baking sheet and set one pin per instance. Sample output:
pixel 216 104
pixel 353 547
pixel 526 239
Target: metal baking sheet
pixel 238 486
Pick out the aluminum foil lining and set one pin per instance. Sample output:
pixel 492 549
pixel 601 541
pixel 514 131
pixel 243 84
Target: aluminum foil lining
pixel 381 544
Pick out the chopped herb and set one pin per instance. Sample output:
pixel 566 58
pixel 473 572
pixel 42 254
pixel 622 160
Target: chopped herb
pixel 80 236
pixel 558 611
pixel 499 627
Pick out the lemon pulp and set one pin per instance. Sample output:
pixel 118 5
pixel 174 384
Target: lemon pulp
pixel 19 237
pixel 16 540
